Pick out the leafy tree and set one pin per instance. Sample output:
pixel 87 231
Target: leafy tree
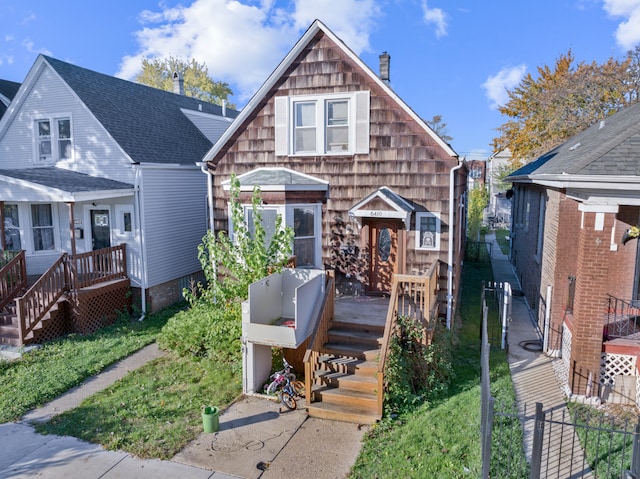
pixel 563 100
pixel 501 172
pixel 440 127
pixel 478 201
pixel 158 73
pixel 230 265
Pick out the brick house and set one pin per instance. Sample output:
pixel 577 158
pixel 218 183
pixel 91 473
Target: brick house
pixel 581 277
pixel 368 186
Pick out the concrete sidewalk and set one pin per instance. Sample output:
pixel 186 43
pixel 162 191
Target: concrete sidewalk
pixel 535 380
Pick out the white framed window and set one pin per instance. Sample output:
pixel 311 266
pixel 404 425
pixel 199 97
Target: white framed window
pixel 124 220
pixel 54 139
pixel 12 237
pixel 330 124
pixel 306 222
pixel 42 227
pixel 427 231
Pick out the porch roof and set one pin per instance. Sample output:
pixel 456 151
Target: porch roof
pixel 57 184
pixel 393 206
pixel 278 179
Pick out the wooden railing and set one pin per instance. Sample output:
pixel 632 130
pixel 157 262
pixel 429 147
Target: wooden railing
pixel 65 275
pixel 13 278
pixel 320 336
pixel 411 296
pixel 99 266
pixel 45 292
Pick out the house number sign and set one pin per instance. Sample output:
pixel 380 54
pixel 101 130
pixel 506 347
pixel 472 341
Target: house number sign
pixel 376 213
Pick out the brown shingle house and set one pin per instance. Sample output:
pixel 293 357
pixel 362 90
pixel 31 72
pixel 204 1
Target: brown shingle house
pixel 368 187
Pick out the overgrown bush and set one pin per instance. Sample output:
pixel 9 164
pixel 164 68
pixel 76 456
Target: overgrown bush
pixel 415 372
pixel 205 330
pixel 231 264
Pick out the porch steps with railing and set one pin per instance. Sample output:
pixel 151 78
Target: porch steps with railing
pixel 347 384
pixel 10 323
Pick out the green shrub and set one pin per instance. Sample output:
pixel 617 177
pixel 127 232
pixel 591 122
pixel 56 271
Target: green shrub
pixel 415 372
pixel 205 330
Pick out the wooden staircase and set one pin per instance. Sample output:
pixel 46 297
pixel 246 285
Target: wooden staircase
pixel 345 360
pixel 347 389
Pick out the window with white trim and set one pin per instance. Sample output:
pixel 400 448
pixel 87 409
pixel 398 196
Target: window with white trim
pixel 331 124
pixel 124 219
pixel 54 140
pixel 305 220
pixel 42 227
pixel 427 231
pixel 12 238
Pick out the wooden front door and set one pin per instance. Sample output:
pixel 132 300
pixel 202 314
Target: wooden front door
pixel 100 229
pixel 383 254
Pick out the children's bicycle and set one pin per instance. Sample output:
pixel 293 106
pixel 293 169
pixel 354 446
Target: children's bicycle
pixel 279 378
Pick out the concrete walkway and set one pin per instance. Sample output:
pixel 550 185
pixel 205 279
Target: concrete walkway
pixel 535 381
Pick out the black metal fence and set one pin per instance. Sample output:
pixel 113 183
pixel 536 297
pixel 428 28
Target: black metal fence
pixel 578 441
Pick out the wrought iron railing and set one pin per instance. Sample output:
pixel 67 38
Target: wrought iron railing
pixel 622 318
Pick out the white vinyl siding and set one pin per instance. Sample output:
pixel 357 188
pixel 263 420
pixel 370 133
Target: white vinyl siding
pixel 95 151
pixel 335 124
pixel 174 221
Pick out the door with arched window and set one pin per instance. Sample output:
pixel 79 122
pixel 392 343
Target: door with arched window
pixel 383 254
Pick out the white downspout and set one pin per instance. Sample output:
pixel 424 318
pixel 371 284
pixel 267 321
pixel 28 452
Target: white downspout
pixel 205 170
pixel 140 220
pixel 451 243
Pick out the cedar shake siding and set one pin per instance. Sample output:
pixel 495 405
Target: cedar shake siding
pixel 401 156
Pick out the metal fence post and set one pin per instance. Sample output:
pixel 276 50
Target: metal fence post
pixel 635 454
pixel 487 433
pixel 536 450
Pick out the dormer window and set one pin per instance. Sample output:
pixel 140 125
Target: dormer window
pixel 328 124
pixel 54 139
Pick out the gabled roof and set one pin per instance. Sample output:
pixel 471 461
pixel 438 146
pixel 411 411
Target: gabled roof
pixel 146 122
pixel 608 151
pixel 8 90
pixel 383 203
pixel 63 185
pixel 266 89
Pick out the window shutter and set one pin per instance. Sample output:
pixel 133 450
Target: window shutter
pixel 281 125
pixel 362 122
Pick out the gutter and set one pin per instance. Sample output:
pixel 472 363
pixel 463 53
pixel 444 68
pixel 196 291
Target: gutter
pixel 140 219
pixel 451 243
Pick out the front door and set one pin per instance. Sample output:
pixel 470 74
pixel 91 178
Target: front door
pixel 383 253
pixel 100 229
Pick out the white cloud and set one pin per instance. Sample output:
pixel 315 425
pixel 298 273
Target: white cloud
pixel 496 86
pixel 241 42
pixel 628 31
pixel 435 16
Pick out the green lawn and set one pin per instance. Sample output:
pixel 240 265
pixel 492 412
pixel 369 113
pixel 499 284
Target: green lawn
pixel 47 372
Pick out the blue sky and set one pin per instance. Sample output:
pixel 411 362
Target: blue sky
pixel 454 58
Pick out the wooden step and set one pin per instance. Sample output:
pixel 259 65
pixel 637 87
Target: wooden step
pixel 350 382
pixel 355 415
pixel 349 365
pixel 370 339
pixel 358 326
pixel 351 351
pixel 10 339
pixel 361 400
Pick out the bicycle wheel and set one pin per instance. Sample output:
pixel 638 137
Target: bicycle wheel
pixel 287 399
pixel 273 387
pixel 298 387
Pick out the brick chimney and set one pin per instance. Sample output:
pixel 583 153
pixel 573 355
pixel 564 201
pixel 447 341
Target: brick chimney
pixel 385 60
pixel 178 83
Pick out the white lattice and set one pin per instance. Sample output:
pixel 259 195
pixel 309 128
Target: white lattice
pixel 612 365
